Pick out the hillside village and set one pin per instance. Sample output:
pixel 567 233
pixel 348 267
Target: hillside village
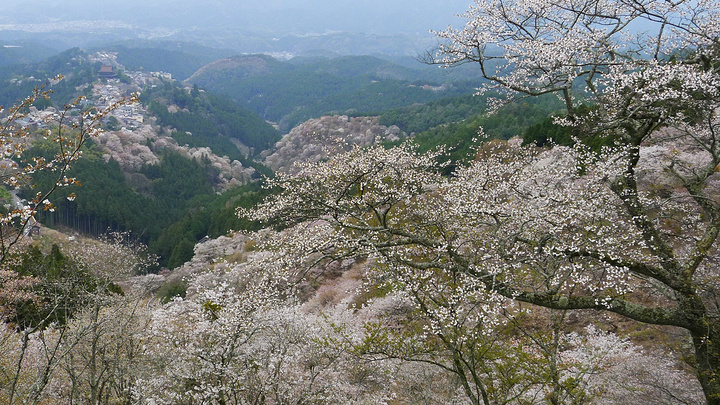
pixel 110 90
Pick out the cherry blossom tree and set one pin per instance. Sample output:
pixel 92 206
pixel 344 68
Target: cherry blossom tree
pixel 615 371
pixel 453 333
pixel 544 227
pixel 631 229
pixel 628 58
pixel 67 131
pixel 88 342
pixel 238 338
pixel 108 334
pixel 649 72
pixel 107 343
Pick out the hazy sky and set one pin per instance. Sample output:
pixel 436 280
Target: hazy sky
pixel 369 16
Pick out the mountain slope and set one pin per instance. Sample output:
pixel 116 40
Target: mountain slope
pixel 291 92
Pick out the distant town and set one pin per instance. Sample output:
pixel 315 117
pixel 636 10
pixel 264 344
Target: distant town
pixel 114 84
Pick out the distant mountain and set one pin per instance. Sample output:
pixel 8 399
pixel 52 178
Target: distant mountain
pixel 206 120
pixel 239 67
pixel 278 16
pixel 291 92
pixel 248 66
pixel 18 81
pixel 23 52
pixel 298 27
pixel 181 59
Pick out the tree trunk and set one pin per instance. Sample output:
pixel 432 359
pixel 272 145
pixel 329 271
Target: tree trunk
pixel 707 364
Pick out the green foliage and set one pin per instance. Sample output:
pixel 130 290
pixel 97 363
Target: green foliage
pixel 72 64
pixel 509 121
pixel 181 253
pixel 209 120
pixel 112 124
pixel 42 103
pixel 419 118
pixel 123 77
pixel 179 59
pixel 292 92
pixel 223 208
pixel 172 289
pixel 177 180
pixel 5 195
pixel 64 287
pixel 175 244
pixel 546 132
pixel 208 215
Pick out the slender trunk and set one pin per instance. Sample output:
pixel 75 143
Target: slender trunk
pixel 18 369
pixel 92 366
pixel 705 334
pixel 554 374
pixel 460 370
pixel 707 365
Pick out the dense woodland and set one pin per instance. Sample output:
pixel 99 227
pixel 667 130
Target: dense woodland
pixel 291 92
pixel 543 232
pixel 172 205
pixel 181 59
pixel 209 120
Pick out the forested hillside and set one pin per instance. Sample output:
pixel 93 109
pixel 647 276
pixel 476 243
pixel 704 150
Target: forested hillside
pixel 159 176
pixel 159 181
pixel 169 206
pixel 181 59
pixel 351 230
pixel 19 80
pixel 294 91
pixel 204 119
pixel 23 52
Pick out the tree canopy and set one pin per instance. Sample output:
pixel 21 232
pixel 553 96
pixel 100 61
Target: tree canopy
pixel 629 229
